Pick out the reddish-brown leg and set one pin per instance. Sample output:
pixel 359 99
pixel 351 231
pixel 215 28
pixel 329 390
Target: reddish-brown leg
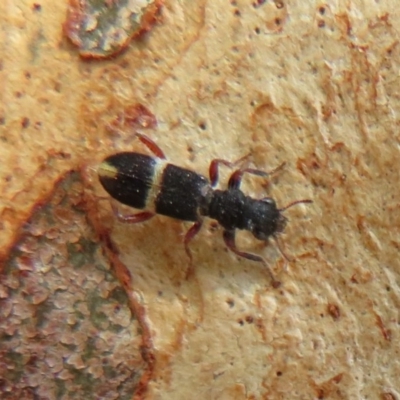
pixel 214 166
pixel 190 234
pixel 229 238
pixel 152 146
pixel 236 178
pixel 132 218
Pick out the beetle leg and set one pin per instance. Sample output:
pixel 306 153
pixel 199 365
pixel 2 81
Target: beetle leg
pixel 190 234
pixel 214 165
pixel 229 239
pixel 236 178
pixel 131 218
pixel 152 146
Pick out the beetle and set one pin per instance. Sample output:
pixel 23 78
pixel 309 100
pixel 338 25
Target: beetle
pixel 151 184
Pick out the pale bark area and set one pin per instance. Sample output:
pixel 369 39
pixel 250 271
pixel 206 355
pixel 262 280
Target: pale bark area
pixel 312 84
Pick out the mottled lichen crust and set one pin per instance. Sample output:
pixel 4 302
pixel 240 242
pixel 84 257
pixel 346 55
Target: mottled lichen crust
pixel 102 29
pixel 65 319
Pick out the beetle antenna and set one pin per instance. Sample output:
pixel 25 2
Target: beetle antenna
pixel 293 203
pixel 281 248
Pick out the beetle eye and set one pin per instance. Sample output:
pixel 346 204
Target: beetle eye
pixel 268 200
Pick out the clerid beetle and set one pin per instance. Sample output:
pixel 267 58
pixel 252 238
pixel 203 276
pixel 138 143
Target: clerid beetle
pixel 151 184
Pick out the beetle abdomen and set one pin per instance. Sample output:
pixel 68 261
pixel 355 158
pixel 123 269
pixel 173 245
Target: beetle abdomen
pixel 128 177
